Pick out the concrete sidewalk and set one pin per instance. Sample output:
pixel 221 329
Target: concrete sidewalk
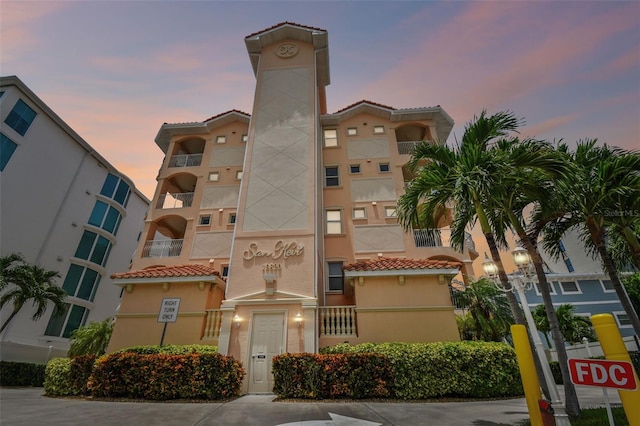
pixel 27 406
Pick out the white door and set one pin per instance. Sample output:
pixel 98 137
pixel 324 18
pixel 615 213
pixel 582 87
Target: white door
pixel 267 341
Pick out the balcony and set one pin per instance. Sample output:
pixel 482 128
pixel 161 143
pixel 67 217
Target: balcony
pixel 185 160
pixel 175 201
pixel 440 238
pixel 337 321
pixel 162 248
pixel 212 324
pixel 407 147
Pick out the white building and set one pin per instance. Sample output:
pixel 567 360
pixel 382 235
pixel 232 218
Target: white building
pixel 65 208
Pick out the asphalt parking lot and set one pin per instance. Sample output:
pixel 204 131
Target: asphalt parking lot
pixel 28 407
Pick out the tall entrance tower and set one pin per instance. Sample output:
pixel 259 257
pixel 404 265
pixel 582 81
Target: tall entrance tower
pixel 274 270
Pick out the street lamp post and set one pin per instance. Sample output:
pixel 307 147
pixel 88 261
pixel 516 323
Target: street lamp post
pixel 520 285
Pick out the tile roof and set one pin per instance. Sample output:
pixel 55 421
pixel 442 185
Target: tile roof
pixel 282 24
pixel 364 101
pixel 395 263
pixel 168 272
pixel 237 111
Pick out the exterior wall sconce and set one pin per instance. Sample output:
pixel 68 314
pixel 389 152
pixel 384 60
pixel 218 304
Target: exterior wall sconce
pixel 401 279
pixel 236 320
pixel 373 203
pixel 298 319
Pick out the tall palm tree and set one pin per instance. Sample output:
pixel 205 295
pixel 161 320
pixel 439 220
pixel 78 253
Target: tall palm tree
pixel 8 266
pixel 488 309
pixel 36 284
pixel 464 176
pixel 91 339
pixel 605 184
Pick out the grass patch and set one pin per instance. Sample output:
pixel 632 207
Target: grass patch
pixel 596 417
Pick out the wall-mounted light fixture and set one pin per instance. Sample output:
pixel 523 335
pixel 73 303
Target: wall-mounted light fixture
pixel 373 203
pixel 236 320
pixel 299 319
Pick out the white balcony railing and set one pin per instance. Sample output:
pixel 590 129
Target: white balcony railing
pixel 162 248
pixel 212 324
pixel 407 147
pixel 185 160
pixel 440 238
pixel 337 321
pixel 175 201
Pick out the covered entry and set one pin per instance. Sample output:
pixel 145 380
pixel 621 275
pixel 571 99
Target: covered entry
pixel 267 341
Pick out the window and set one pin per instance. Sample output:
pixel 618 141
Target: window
pixel 106 217
pixel 221 139
pixel 245 138
pixel 622 319
pixel 336 279
pixel 552 288
pixel 607 286
pixel 570 287
pixel 232 218
pixel 377 130
pixel 352 131
pixel 117 189
pixel 331 176
pixel 390 211
pixel 225 271
pixel 81 282
pixel 359 213
pixel 330 138
pixel 334 221
pixel 63 322
pixel 93 247
pixel 214 176
pixel 205 220
pixel 354 169
pixel 7 148
pixel 239 174
pixel 20 117
pixel 384 167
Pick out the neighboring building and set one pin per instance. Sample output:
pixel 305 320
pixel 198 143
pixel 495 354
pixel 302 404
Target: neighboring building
pixel 277 231
pixel 65 208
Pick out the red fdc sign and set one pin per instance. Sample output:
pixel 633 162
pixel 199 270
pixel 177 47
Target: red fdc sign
pixel 602 373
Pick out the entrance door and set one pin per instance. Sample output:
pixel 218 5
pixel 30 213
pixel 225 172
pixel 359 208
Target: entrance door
pixel 267 341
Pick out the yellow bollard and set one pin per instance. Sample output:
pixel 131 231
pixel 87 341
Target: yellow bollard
pixel 614 349
pixel 528 373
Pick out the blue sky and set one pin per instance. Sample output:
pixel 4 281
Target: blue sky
pixel 116 70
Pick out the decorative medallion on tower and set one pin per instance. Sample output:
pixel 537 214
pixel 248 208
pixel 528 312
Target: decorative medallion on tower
pixel 287 50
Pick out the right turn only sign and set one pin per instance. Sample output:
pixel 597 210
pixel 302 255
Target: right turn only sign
pixel 603 373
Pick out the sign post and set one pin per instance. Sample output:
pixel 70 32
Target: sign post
pixel 168 313
pixel 605 374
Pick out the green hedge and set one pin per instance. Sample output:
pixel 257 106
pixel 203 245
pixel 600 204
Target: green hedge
pixel 164 376
pixel 171 349
pixel 21 374
pixel 307 375
pixel 447 369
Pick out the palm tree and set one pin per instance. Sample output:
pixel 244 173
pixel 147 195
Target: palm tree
pixel 8 265
pixel 91 339
pixel 488 310
pixel 464 176
pixel 573 327
pixel 36 284
pixel 605 184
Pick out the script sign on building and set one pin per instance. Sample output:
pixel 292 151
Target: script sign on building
pixel 603 373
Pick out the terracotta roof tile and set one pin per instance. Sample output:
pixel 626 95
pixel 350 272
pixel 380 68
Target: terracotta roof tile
pixel 364 101
pixel 168 272
pixel 395 263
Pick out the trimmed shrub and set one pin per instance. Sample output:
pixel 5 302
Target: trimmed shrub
pixel 170 349
pixel 57 380
pixel 455 369
pixel 21 374
pixel 81 368
pixel 164 376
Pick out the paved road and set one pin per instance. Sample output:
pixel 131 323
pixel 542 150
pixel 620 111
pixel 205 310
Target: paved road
pixel 27 406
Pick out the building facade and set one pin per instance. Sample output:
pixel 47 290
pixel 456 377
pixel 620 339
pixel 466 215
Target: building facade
pixel 65 208
pixel 276 231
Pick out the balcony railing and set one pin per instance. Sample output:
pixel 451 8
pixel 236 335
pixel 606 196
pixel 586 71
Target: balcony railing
pixel 440 238
pixel 407 147
pixel 175 201
pixel 185 160
pixel 162 248
pixel 337 321
pixel 212 324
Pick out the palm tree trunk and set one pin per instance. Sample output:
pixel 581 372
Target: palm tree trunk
pixel 634 245
pixel 597 234
pixel 6 323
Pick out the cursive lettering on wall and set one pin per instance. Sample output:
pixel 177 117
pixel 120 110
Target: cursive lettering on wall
pixel 281 250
